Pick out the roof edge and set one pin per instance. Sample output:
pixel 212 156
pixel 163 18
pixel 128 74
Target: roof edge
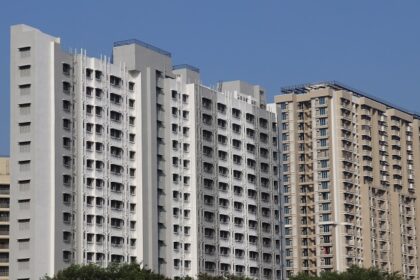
pixel 186 66
pixel 304 88
pixel 143 44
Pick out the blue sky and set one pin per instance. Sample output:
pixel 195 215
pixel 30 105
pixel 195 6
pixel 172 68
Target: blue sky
pixel 370 45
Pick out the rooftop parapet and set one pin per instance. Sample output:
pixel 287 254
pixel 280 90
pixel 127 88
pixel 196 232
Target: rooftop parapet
pixel 305 88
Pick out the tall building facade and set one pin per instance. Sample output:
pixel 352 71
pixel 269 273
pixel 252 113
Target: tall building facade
pixel 349 169
pixel 129 159
pixel 4 217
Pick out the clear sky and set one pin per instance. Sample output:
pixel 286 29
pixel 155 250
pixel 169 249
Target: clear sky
pixel 371 45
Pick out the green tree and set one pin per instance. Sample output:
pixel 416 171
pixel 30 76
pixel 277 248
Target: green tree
pixel 112 272
pixel 123 272
pixel 203 276
pixel 137 272
pixel 353 273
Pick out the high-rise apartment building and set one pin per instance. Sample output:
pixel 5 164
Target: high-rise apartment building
pixel 4 217
pixel 349 170
pixel 132 159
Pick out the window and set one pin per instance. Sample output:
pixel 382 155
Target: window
pixel 115 116
pixel 23 264
pixel 132 137
pixel 66 69
pixel 89 91
pixel 221 108
pixel 131 120
pixel 237 159
pixel 324 185
pixel 25 52
pixel 66 161
pixel 263 137
pixel 115 98
pixel 89 109
pixel 89 128
pixel 25 89
pixel 89 73
pixel 250 133
pixel 115 81
pixel 263 123
pixel 221 139
pixel 23 224
pixel 325 218
pixel 186 131
pixel 250 118
pixel 98 75
pixel 23 204
pixel 24 147
pixel 283 105
pixel 67 199
pixel 24 165
pixel 66 105
pixel 66 124
pixel 98 93
pixel 206 103
pixel 25 108
pixel 236 128
pixel 23 243
pixel 221 123
pixel 99 147
pixel 207 119
pixel 238 175
pixel 284 116
pixel 66 256
pixel 131 86
pixel 131 103
pixel 25 70
pixel 67 180
pixel 324 163
pixel 236 113
pixel 176 263
pixel 184 98
pixel 223 171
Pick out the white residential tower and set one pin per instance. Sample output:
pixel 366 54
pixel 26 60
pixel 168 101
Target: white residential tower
pixel 131 159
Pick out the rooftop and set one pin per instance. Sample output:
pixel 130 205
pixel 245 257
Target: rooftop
pixel 186 66
pixel 143 44
pixel 304 88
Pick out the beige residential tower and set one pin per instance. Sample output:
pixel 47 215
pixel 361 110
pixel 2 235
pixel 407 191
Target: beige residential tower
pixel 4 217
pixel 349 175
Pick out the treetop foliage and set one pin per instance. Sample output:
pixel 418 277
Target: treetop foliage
pixel 137 272
pixel 123 272
pixel 353 273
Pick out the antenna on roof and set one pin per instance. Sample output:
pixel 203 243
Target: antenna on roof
pixel 219 86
